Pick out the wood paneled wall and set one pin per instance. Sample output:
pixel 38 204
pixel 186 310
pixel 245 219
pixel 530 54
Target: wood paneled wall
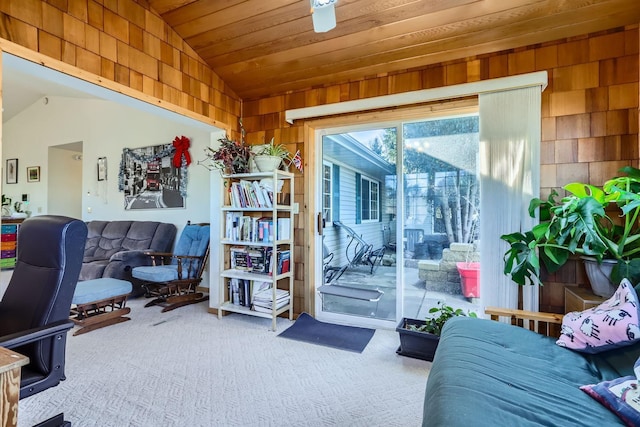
pixel 590 108
pixel 589 117
pixel 125 42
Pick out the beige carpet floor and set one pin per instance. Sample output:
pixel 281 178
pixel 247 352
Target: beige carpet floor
pixel 187 368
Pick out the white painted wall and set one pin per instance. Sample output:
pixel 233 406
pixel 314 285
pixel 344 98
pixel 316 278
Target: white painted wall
pixel 105 128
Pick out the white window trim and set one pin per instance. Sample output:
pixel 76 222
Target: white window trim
pixel 371 180
pixel 329 222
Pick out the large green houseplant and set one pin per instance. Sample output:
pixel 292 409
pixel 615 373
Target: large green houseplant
pixel 599 222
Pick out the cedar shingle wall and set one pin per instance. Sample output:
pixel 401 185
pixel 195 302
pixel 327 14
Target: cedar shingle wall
pixel 125 42
pixel 589 115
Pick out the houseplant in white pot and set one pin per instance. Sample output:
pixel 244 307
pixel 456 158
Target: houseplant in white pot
pixel 419 338
pixel 270 157
pixel 595 222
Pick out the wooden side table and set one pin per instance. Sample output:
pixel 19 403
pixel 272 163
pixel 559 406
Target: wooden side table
pixel 10 364
pixel 579 299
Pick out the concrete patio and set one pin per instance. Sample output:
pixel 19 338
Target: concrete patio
pixel 417 299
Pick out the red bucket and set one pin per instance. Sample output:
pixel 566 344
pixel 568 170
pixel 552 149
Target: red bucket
pixel 469 278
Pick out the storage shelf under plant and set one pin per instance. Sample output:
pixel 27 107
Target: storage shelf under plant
pixel 233 308
pixel 247 275
pixel 261 205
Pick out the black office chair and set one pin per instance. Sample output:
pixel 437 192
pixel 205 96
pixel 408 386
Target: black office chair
pixel 34 311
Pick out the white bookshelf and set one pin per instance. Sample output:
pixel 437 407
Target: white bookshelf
pixel 245 227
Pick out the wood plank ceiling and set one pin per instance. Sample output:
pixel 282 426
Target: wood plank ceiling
pixel 265 47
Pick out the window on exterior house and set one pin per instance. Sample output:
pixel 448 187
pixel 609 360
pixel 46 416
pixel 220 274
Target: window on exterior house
pixel 327 192
pixel 370 199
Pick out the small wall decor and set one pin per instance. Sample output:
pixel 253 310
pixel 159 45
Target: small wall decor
pixel 102 168
pixel 150 180
pixel 33 174
pixel 12 171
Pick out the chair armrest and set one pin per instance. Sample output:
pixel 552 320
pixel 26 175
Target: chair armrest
pixel 540 322
pixel 35 334
pixel 163 254
pixel 126 256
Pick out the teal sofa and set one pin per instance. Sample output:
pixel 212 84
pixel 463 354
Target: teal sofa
pixel 487 373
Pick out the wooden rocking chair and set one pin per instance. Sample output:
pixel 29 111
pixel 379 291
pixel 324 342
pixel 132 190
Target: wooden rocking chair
pixel 173 278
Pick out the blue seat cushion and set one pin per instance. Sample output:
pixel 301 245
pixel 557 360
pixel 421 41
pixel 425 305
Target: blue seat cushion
pixel 98 289
pixel 158 274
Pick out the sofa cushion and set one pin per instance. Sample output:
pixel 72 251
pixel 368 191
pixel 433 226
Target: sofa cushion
pixel 614 323
pixel 158 273
pixel 94 233
pixel 621 396
pixel 111 239
pixel 99 289
pixel 93 269
pixel 139 235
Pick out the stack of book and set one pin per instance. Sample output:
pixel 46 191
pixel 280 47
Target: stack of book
pixel 263 300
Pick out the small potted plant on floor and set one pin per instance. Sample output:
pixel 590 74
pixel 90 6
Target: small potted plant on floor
pixel 270 157
pixel 419 338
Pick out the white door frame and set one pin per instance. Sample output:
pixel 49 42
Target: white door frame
pixel 346 319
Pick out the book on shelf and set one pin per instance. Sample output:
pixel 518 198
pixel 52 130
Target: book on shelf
pixel 284 228
pixel 268 309
pixel 282 262
pixel 254 259
pixel 240 292
pixel 263 300
pixel 239 259
pixel 258 259
pixel 250 194
pixel 265 230
pixel 232 225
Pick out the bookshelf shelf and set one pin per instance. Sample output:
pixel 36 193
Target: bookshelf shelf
pixel 256 245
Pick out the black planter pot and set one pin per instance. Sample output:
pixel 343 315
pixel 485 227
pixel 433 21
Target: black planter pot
pixel 416 344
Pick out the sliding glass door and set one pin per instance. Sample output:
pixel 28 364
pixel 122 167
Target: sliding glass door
pixel 392 200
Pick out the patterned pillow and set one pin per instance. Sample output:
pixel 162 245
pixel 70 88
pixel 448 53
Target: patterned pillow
pixel 614 323
pixel 621 396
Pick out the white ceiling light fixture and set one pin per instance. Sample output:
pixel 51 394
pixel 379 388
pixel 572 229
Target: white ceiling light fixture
pixel 323 14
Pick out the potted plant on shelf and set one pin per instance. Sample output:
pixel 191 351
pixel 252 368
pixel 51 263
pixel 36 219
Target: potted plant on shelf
pixel 596 222
pixel 231 157
pixel 420 338
pixel 270 157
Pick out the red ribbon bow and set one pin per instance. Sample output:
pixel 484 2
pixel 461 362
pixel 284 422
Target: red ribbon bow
pixel 182 148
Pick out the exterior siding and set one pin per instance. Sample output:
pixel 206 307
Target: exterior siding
pixel 335 238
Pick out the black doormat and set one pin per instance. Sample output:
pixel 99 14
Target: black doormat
pixel 310 330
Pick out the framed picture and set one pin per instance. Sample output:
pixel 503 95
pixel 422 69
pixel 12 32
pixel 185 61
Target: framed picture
pixel 33 174
pixel 102 168
pixel 150 180
pixel 12 171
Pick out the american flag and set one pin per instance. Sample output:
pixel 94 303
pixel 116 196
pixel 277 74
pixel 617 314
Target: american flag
pixel 297 161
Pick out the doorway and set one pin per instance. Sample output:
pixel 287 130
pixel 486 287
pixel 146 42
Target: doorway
pixel 393 198
pixel 64 180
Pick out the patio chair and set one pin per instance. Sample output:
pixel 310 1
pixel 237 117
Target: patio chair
pixel 173 278
pixel 331 272
pixel 363 252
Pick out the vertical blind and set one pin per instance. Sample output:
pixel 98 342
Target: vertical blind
pixel 510 128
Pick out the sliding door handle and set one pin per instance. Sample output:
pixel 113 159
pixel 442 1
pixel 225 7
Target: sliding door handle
pixel 320 223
